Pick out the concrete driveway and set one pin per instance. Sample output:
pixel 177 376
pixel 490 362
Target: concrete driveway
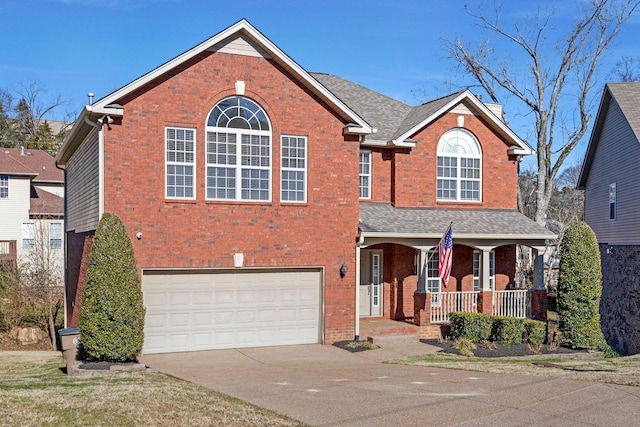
pixel 326 386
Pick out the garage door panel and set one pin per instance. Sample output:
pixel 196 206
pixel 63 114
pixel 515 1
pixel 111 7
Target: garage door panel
pixel 196 311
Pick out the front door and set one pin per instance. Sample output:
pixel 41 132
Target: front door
pixel 370 283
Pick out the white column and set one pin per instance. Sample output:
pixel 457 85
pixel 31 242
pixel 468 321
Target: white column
pixel 538 268
pixel 485 270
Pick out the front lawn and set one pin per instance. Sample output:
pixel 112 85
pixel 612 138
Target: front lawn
pixel 34 391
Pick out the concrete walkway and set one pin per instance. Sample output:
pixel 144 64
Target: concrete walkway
pixel 326 386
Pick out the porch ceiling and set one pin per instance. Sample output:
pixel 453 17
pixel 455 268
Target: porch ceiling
pixel 385 220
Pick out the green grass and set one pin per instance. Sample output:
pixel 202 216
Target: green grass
pixel 34 391
pixel 620 370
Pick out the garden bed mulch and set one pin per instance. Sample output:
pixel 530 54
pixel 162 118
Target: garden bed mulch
pixel 514 350
pixel 355 346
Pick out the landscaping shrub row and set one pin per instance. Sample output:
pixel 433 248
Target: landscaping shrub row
pixel 479 327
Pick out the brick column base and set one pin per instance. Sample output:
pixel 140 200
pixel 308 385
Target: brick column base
pixel 485 302
pixel 539 304
pixel 421 309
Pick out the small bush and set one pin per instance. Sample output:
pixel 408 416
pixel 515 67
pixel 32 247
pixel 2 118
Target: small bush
pixel 534 331
pixel 474 326
pixel 507 330
pixel 465 346
pixel 111 319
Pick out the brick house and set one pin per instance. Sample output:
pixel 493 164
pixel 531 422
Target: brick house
pixel 269 206
pixel 611 204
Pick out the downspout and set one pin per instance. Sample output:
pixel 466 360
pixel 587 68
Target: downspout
pixel 357 308
pixel 64 221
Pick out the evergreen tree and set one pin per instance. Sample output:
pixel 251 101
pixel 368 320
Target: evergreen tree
pixel 112 313
pixel 580 288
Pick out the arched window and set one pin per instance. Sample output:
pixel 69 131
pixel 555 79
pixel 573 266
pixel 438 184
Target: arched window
pixel 238 151
pixel 459 167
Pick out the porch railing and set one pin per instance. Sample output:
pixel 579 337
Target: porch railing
pixel 443 303
pixel 514 303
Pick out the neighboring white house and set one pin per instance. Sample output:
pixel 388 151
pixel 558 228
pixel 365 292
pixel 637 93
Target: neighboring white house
pixel 31 204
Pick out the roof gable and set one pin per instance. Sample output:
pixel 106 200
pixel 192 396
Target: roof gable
pixel 240 38
pixel 627 97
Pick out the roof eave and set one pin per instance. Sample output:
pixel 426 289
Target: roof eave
pixel 479 236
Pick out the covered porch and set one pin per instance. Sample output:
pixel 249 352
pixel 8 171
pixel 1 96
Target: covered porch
pixel 398 275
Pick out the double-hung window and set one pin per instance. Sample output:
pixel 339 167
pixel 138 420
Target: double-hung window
pixel 365 174
pixel 55 235
pixel 459 167
pixel 180 162
pixel 238 151
pixel 4 186
pixel 28 235
pixel 477 263
pixel 434 282
pixel 293 162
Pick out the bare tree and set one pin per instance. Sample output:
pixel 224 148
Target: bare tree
pixel 627 69
pixel 551 77
pixel 40 272
pixel 24 123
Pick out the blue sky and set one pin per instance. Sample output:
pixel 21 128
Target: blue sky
pixel 73 47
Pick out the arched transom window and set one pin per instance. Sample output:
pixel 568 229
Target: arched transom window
pixel 459 167
pixel 238 151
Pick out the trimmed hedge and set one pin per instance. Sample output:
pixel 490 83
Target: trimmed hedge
pixel 479 327
pixel 111 319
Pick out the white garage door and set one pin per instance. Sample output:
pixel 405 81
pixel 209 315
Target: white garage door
pixel 215 310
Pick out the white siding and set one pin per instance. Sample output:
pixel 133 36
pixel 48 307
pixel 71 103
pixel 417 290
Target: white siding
pixel 240 46
pixel 57 189
pixel 83 187
pixel 616 160
pixel 14 210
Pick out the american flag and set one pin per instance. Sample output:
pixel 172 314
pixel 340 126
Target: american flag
pixel 445 254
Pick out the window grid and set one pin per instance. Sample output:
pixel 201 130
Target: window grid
pixel 365 174
pixel 55 235
pixel 28 235
pixel 433 279
pixel 4 186
pixel 180 161
pixel 459 168
pixel 238 151
pixel 294 169
pixel 476 270
pixel 612 201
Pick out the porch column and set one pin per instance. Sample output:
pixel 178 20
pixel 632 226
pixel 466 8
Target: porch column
pixel 538 267
pixel 422 300
pixel 485 298
pixel 539 302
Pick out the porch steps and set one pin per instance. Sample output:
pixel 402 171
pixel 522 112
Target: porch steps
pixel 372 328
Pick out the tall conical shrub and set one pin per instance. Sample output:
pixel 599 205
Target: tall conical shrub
pixel 111 319
pixel 580 287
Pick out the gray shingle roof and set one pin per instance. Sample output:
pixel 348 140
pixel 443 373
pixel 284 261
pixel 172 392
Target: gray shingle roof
pixel 378 110
pixel 385 218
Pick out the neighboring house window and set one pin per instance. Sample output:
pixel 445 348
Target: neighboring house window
pixel 477 263
pixel 55 235
pixel 459 167
pixel 365 174
pixel 180 161
pixel 293 163
pixel 238 151
pixel 612 201
pixel 4 186
pixel 28 235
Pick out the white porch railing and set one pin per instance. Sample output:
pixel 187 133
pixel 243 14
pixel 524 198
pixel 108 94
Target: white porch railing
pixel 515 303
pixel 512 303
pixel 443 303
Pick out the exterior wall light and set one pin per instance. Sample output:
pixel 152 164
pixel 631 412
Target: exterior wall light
pixel 343 270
